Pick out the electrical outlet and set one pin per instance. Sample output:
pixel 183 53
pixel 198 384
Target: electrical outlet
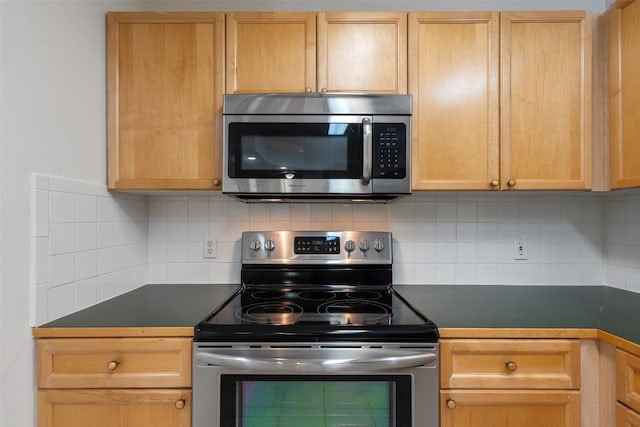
pixel 520 249
pixel 209 247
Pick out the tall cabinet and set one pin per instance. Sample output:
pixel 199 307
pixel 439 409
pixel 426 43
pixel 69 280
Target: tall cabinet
pixel 501 101
pixel 624 88
pixel 165 85
pixel 316 52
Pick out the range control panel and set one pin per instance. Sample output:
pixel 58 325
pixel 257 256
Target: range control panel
pixel 317 247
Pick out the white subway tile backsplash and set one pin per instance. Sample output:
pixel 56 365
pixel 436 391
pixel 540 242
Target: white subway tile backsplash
pixel 84 240
pixel 86 265
pixel 62 238
pixel 100 244
pixel 62 206
pixel 86 236
pixel 40 217
pixel 86 208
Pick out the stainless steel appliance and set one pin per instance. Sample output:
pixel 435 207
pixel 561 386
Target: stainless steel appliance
pixel 316 146
pixel 316 336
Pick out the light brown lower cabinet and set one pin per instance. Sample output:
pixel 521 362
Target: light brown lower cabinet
pixel 510 382
pixel 506 408
pixel 109 408
pixel 114 382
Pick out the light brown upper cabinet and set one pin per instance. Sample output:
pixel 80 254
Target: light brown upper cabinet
pixel 501 101
pixel 334 52
pixel 453 77
pixel 165 86
pixel 545 100
pixel 624 89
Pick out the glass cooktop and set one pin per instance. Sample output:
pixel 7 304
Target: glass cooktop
pixel 317 313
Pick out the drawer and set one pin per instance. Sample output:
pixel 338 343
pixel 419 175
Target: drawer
pixel 625 417
pixel 114 363
pixel 628 379
pixel 510 363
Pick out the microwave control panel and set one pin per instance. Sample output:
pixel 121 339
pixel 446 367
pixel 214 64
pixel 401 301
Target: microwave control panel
pixel 389 150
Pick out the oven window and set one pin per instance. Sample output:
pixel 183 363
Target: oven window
pixel 315 400
pixel 295 150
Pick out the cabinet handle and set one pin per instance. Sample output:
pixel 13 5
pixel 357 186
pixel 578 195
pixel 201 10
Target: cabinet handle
pixel 113 365
pixel 307 89
pixel 451 404
pixel 324 89
pixel 494 183
pixel 216 181
pixel 511 183
pixel 180 403
pixel 511 366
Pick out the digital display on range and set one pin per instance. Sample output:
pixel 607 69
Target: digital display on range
pixel 316 245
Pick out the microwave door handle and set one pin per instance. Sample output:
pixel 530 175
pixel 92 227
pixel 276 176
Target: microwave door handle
pixel 367 147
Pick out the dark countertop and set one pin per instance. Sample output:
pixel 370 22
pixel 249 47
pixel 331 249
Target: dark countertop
pixel 151 306
pixel 449 306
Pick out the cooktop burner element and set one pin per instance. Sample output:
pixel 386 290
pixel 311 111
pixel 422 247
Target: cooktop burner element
pixel 319 286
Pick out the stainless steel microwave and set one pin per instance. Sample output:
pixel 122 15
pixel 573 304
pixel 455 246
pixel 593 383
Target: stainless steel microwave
pixel 316 147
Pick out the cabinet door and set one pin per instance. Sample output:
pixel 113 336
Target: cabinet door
pixel 628 379
pixel 545 100
pixel 164 100
pixel 362 52
pixel 453 77
pixel 109 408
pixel 271 52
pixel 625 417
pixel 624 81
pixel 509 408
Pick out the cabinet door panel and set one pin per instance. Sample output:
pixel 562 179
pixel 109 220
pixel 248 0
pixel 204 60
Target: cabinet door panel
pixel 625 417
pixel 109 408
pixel 164 100
pixel 453 77
pixel 624 72
pixel 509 408
pixel 271 52
pixel 546 100
pixel 510 364
pixel 362 52
pixel 628 379
pixel 114 363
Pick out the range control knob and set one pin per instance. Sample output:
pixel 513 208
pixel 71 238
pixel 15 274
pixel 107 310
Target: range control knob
pixel 364 245
pixel 269 245
pixel 378 245
pixel 255 245
pixel 349 245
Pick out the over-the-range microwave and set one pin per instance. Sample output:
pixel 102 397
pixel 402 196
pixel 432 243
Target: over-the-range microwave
pixel 316 146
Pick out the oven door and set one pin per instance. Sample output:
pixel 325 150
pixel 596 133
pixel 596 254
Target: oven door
pixel 315 385
pixel 274 154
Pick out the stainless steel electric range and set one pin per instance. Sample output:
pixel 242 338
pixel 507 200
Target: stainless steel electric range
pixel 316 336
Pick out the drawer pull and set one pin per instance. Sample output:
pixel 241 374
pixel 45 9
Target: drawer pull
pixel 113 365
pixel 451 404
pixel 511 366
pixel 180 403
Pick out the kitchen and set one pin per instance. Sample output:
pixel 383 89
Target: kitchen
pixel 53 73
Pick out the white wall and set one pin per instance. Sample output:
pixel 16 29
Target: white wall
pixel 52 121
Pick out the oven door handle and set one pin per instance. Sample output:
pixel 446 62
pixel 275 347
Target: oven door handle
pixel 316 361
